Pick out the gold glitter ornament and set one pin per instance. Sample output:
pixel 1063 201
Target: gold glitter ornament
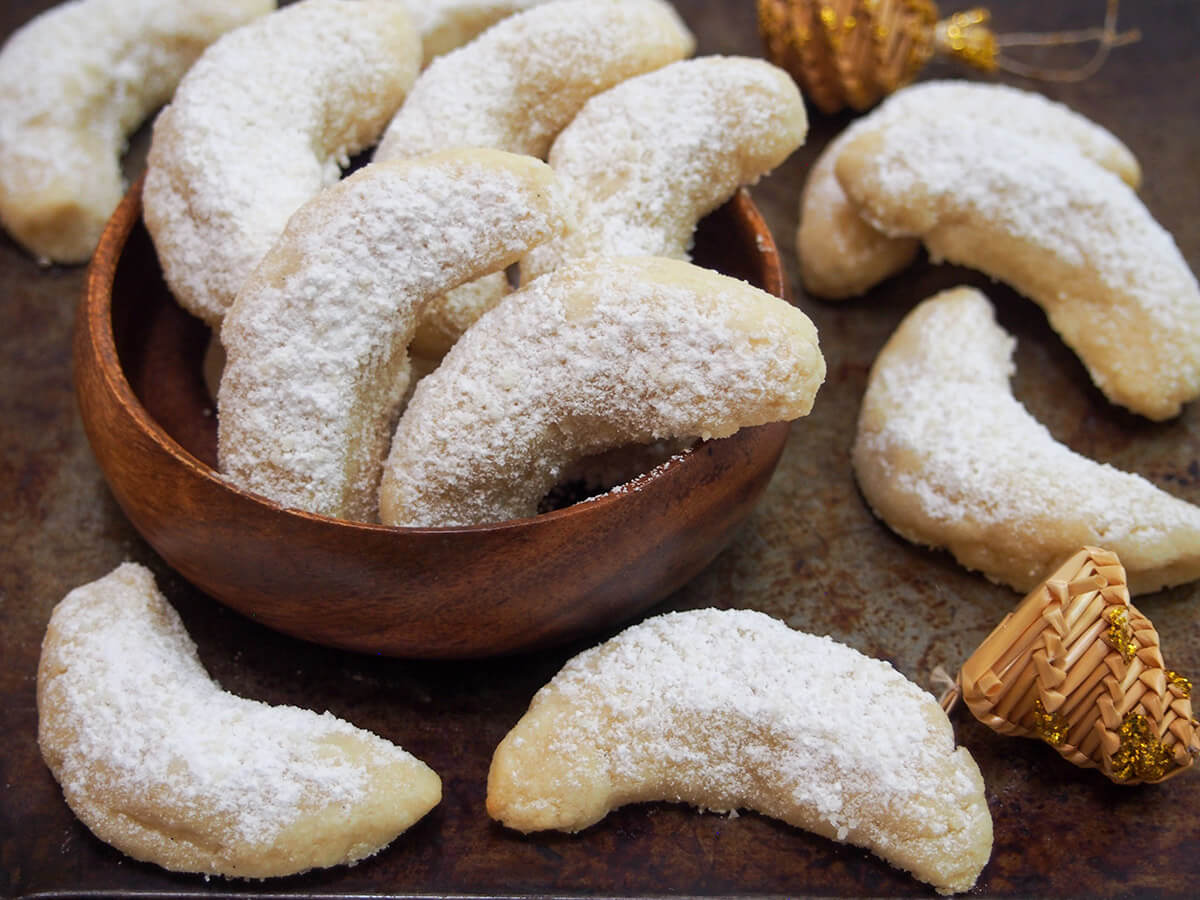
pixel 1078 666
pixel 1051 727
pixel 1120 637
pixel 854 52
pixel 1182 682
pixel 1141 756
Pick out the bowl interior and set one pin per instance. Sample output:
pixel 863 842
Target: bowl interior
pixel 161 350
pixel 435 593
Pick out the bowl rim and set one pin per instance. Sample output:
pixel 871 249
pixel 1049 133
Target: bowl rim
pixel 96 321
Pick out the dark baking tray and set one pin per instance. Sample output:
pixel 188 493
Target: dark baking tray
pixel 811 554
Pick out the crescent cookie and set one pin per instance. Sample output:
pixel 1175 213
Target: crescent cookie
pixel 947 457
pixel 316 341
pixel 265 119
pixel 1063 231
pixel 841 255
pixel 599 353
pixel 445 25
pixel 731 709
pixel 514 88
pixel 649 158
pixel 161 763
pixel 74 83
pixel 520 82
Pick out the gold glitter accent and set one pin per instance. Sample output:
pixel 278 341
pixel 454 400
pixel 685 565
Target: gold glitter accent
pixel 817 41
pixel 1141 754
pixel 1051 727
pixel 1120 635
pixel 968 38
pixel 1182 682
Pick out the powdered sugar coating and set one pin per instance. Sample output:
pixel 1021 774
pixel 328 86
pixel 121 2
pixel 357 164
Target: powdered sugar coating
pixel 516 85
pixel 842 256
pixel 160 762
pixel 266 118
pixel 316 341
pixel 730 709
pixel 74 82
pixel 948 457
pixel 1065 232
pixel 599 353
pixel 647 159
pixel 514 88
pixel 447 24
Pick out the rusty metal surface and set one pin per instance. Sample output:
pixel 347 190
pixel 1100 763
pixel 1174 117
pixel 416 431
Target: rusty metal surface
pixel 811 554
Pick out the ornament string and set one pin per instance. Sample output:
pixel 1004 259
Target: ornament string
pixel 965 36
pixel 853 52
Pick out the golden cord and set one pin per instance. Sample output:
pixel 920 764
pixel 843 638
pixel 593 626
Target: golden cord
pixel 1106 37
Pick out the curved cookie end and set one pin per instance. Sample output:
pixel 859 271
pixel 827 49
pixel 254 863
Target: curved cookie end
pixel 57 222
pixel 536 785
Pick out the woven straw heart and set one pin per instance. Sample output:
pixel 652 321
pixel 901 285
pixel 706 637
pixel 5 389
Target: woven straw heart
pixel 1078 666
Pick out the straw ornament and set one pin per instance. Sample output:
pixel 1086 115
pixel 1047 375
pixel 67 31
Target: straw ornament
pixel 1079 667
pixel 854 52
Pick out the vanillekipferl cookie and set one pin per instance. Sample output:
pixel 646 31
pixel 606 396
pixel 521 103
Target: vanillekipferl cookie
pixel 165 766
pixel 534 386
pixel 1065 232
pixel 265 119
pixel 948 457
pixel 517 85
pixel 842 255
pixel 646 160
pixel 74 83
pixel 316 343
pixel 514 88
pixel 731 709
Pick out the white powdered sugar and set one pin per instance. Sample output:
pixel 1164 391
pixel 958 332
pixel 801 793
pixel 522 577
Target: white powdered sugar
pixel 836 710
pixel 960 106
pixel 597 354
pixel 647 159
pixel 841 255
pixel 316 341
pixel 948 456
pixel 1062 230
pixel 731 709
pixel 74 82
pixel 986 456
pixel 266 118
pixel 1036 197
pixel 516 85
pixel 135 715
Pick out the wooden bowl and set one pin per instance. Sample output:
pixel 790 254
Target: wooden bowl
pixel 408 592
